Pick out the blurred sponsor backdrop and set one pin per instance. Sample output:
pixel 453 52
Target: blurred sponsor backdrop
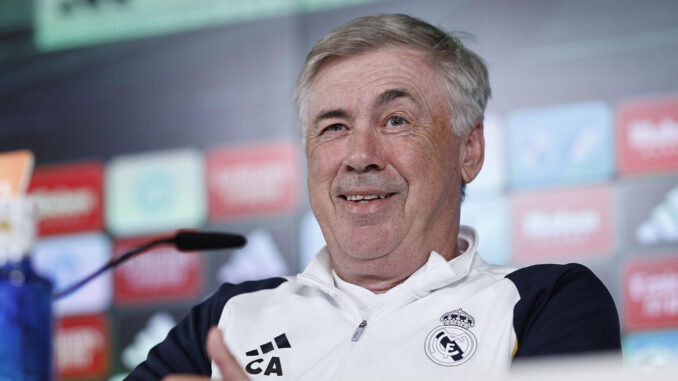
pixel 150 115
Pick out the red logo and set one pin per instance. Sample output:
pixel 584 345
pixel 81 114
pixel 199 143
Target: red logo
pixel 81 346
pixel 253 180
pixel 648 135
pixel 651 294
pixel 159 275
pixel 559 224
pixel 69 197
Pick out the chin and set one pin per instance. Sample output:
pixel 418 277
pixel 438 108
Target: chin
pixel 363 247
pixel 363 253
pixel 361 241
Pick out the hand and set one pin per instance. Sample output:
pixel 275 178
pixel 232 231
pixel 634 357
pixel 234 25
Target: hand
pixel 217 351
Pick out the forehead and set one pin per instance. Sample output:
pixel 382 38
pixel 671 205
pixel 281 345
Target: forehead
pixel 358 79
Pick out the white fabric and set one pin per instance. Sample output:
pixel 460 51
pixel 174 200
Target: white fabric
pixel 369 302
pixel 319 319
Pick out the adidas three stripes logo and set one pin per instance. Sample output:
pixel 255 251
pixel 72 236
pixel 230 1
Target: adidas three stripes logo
pixel 274 366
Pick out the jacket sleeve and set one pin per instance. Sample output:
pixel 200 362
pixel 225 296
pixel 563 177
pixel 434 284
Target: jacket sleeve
pixel 563 309
pixel 183 350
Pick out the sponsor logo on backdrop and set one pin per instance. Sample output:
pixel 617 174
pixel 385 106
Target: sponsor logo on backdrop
pixel 60 24
pixel 260 259
pixel 568 144
pixel 654 140
pixel 69 198
pixel 152 333
pixel 662 223
pixel 651 293
pixel 648 212
pixel 253 180
pixel 81 346
pixel 159 275
pixel 68 259
pixel 651 349
pixel 490 218
pixel 648 135
pixel 64 203
pixel 560 224
pixel 155 192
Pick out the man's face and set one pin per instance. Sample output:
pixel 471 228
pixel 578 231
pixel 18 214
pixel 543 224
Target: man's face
pixel 383 162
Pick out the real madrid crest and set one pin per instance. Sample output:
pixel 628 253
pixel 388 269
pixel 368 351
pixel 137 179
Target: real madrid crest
pixel 452 343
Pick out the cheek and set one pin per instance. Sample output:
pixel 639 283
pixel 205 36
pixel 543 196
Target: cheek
pixel 322 166
pixel 443 152
pixel 425 154
pixel 429 164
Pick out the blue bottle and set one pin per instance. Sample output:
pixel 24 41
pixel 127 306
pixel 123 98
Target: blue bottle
pixel 25 299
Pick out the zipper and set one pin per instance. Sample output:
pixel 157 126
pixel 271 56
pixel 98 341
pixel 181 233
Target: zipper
pixel 344 359
pixel 359 331
pixel 344 299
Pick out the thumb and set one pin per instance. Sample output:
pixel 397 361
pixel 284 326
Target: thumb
pixel 217 351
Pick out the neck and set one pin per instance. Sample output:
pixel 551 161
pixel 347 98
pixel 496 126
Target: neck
pixel 374 283
pixel 382 274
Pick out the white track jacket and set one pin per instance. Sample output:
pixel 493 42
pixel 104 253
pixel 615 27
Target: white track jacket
pixel 448 319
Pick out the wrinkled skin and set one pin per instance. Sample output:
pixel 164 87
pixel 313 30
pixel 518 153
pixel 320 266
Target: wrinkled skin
pixel 379 125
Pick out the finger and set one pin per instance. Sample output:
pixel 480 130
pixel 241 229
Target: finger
pixel 217 351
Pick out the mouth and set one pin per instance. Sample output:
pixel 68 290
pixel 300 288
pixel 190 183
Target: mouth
pixel 365 198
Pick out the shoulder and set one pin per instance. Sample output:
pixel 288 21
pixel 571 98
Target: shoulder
pixel 183 350
pixel 228 290
pixel 529 279
pixel 563 309
pixel 235 296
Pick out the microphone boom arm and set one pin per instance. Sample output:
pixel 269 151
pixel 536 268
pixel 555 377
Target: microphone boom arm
pixel 111 264
pixel 182 240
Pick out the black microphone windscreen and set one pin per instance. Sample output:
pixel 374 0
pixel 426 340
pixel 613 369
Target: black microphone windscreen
pixel 189 241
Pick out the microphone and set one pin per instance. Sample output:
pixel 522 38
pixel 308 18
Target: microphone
pixel 183 240
pixel 186 240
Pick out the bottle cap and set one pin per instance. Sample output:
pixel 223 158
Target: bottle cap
pixel 17 228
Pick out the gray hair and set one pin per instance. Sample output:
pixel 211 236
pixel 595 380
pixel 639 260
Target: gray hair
pixel 467 84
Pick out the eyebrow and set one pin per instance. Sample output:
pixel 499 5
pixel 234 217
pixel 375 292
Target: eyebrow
pixel 390 95
pixel 383 99
pixel 334 113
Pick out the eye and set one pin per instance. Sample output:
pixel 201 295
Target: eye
pixel 396 121
pixel 336 127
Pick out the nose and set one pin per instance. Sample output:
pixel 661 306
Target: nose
pixel 365 151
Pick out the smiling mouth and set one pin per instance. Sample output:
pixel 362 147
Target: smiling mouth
pixel 364 199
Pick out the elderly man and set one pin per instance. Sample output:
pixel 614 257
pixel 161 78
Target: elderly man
pixel 392 118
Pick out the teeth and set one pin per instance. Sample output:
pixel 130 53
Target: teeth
pixel 364 198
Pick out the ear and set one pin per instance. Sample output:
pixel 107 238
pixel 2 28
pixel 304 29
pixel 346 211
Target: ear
pixel 472 153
